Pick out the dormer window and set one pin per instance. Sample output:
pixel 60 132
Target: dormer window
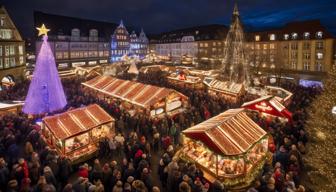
pixel 286 36
pixel 294 36
pixel 257 38
pixel 2 21
pixel 319 34
pixel 306 35
pixel 272 37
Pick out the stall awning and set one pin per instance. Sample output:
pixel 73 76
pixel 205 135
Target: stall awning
pixel 224 86
pixel 76 121
pixel 134 92
pixel 270 105
pixel 229 133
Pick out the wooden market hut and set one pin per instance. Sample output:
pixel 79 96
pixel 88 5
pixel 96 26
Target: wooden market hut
pixel 282 95
pixel 138 97
pixel 183 80
pixel 76 133
pixel 270 106
pixel 228 90
pixel 229 147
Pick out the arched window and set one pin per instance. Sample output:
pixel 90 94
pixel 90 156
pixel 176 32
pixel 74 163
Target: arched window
pixel 294 36
pixel 319 34
pixel 93 35
pixel 306 35
pixel 75 34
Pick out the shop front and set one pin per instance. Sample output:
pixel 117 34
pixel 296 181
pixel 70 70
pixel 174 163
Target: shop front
pixel 76 133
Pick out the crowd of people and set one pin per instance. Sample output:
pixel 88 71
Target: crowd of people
pixel 141 155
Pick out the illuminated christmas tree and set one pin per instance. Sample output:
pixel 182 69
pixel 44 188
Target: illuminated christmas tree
pixel 234 66
pixel 45 92
pixel 320 160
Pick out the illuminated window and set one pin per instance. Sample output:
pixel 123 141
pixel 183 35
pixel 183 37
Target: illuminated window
pixel 272 37
pixel 21 60
pixel 306 55
pixel 293 66
pixel 319 55
pixel 294 36
pixel 306 66
pixel 257 38
pixel 306 35
pixel 318 66
pixel 265 46
pixel 272 46
pixel 319 35
pixel 6 34
pixel 12 61
pixel 0 50
pixel 1 63
pixel 286 36
pixel 7 62
pixel 2 21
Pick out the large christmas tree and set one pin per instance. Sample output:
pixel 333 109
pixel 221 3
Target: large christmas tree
pixel 321 126
pixel 45 92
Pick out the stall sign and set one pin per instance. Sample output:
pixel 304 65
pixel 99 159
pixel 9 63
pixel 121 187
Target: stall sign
pixel 173 105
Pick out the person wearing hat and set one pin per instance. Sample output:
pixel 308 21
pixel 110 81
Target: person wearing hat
pixel 12 186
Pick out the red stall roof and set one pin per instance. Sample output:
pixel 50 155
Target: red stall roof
pixel 229 133
pixel 270 105
pixel 130 91
pixel 76 121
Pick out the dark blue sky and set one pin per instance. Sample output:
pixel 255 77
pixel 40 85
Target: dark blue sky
pixel 164 15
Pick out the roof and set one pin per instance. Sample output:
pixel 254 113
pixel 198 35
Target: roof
pixel 76 121
pixel 205 32
pixel 229 133
pixel 62 25
pixel 271 99
pixel 224 86
pixel 299 27
pixel 134 92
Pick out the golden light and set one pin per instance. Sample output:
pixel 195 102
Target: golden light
pixel 42 30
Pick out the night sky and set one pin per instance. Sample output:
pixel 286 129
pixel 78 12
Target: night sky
pixel 165 15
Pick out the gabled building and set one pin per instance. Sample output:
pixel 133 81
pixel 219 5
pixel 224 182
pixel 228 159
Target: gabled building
pixel 143 44
pixel 120 43
pixel 12 50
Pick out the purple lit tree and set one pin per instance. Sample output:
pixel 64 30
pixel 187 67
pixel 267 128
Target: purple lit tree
pixel 45 93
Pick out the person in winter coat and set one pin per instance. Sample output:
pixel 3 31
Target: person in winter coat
pixel 4 174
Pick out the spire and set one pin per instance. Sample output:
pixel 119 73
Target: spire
pixel 142 31
pixel 235 9
pixel 121 23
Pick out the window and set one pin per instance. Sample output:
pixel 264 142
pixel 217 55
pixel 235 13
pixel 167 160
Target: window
pixel 6 34
pixel 294 46
pixel 6 50
pixel 272 46
pixel 294 36
pixel 75 34
pixel 319 45
pixel 59 55
pixel 214 44
pixel 306 35
pixel 265 46
pixel 294 55
pixel 306 45
pixel 257 38
pixel 20 50
pixel 319 35
pixel 21 60
pixel 272 66
pixel 12 61
pixel 272 37
pixel 293 66
pixel 6 62
pixel 1 64
pixel 306 66
pixel 318 66
pixel 205 44
pixel 306 55
pixel 2 21
pixel 319 56
pixel 0 50
pixel 286 36
pixel 65 55
pixel 257 46
pixel 11 50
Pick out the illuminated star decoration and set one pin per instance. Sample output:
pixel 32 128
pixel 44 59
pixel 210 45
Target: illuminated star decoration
pixel 42 30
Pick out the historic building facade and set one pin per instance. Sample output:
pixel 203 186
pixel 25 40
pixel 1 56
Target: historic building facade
pixel 76 42
pixel 304 49
pixel 12 50
pixel 123 43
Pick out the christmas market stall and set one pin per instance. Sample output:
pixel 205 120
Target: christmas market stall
pixel 13 107
pixel 228 90
pixel 230 148
pixel 183 80
pixel 269 106
pixel 137 97
pixel 281 94
pixel 76 133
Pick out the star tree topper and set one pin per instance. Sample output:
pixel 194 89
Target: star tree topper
pixel 42 30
